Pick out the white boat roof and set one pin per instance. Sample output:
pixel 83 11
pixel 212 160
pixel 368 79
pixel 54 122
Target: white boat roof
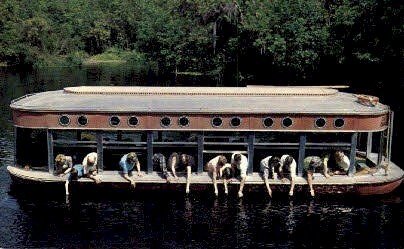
pixel 251 100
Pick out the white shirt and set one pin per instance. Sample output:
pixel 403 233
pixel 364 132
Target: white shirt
pixel 344 163
pixel 292 166
pixel 242 165
pixel 85 160
pixel 214 161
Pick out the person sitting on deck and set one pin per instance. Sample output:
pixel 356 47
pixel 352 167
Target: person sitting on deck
pixel 127 164
pixel 90 166
pixel 182 162
pixel 219 166
pixel 240 162
pixel 159 163
pixel 62 162
pixel 288 165
pixel 267 167
pixel 74 173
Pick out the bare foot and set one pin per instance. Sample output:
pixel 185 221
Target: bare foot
pixel 240 194
pixel 312 193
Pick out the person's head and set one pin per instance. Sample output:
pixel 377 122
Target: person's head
pixel 222 161
pixel 60 163
pixel 339 155
pixel 91 160
pixel 184 158
pixel 227 172
pixel 316 162
pixel 287 162
pixel 60 160
pixel 274 162
pixel 131 158
pixel 237 158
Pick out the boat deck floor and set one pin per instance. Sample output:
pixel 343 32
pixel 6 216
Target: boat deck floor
pixel 395 173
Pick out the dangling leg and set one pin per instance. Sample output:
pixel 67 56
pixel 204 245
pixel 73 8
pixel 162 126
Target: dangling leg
pixel 67 187
pixel 226 191
pixel 310 181
pixel 215 182
pixel 188 179
pixel 292 186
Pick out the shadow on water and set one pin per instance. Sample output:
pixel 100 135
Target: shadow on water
pixel 40 218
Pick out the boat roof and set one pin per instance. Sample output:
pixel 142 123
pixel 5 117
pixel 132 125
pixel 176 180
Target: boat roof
pixel 115 99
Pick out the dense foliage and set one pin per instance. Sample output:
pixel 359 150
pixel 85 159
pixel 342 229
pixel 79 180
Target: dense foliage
pixel 204 36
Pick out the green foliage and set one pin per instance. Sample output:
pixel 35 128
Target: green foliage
pixel 208 37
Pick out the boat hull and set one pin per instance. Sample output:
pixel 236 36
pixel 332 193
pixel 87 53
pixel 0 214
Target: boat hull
pixel 357 185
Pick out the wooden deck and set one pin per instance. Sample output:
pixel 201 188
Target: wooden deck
pixel 394 174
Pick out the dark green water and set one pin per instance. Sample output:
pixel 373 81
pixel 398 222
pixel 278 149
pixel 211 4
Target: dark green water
pixel 172 220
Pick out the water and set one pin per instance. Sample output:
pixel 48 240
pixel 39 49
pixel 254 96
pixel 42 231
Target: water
pixel 172 220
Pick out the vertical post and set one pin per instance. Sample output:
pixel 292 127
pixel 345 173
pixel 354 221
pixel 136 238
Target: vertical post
pixel 15 146
pixel 302 154
pixel 251 139
pixel 50 150
pixel 369 144
pixel 354 142
pixel 100 152
pixel 149 152
pixel 390 141
pixel 200 152
pixel 381 148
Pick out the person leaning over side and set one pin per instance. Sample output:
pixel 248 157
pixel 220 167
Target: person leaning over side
pixel 288 166
pixel 338 163
pixel 313 164
pixel 90 167
pixel 62 163
pixel 127 164
pixel 240 162
pixel 214 168
pixel 182 161
pixel 73 174
pixel 267 167
pixel 160 163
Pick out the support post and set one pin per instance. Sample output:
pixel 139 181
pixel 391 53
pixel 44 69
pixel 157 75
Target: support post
pixel 149 152
pixel 354 142
pixel 251 139
pixel 200 152
pixel 381 148
pixel 390 141
pixel 15 146
pixel 369 144
pixel 50 151
pixel 302 154
pixel 100 152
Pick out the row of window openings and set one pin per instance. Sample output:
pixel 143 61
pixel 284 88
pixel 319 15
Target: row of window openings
pixel 267 122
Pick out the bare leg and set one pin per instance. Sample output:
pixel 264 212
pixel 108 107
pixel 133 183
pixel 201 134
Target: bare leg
pixel 226 191
pixel 292 186
pixel 267 185
pixel 215 182
pixel 188 179
pixel 240 192
pixel 310 181
pixel 67 187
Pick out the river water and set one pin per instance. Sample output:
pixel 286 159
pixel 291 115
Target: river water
pixel 173 220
